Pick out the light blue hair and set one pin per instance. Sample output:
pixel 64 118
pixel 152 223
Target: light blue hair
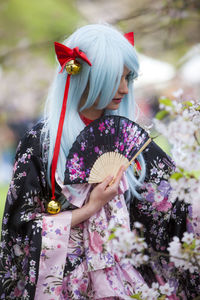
pixel 108 51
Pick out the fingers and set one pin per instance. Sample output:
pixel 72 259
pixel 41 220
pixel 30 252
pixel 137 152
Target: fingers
pixel 119 175
pixel 111 181
pixel 106 182
pixel 105 191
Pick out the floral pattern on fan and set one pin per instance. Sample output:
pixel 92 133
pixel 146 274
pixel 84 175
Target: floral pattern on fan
pixel 108 134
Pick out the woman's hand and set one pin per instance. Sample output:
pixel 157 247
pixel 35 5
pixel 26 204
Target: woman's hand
pixel 104 192
pixel 100 195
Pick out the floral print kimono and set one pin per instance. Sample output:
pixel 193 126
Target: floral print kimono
pixel 42 257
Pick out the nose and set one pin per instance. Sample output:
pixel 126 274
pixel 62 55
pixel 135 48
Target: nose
pixel 123 87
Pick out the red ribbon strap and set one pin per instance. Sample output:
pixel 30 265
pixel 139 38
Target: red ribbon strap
pixel 130 37
pixel 64 54
pixel 58 137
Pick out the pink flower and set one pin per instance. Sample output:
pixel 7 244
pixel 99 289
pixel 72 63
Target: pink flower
pixel 96 242
pixel 76 158
pixel 101 127
pixel 75 280
pixel 82 175
pixel 44 225
pixel 116 258
pixel 121 147
pixel 51 224
pixel 32 216
pixel 161 165
pixel 164 205
pixel 150 188
pixel 32 279
pixel 96 149
pixel 17 292
pixel 72 171
pixel 83 287
pixel 58 290
pixel 163 248
pixel 26 250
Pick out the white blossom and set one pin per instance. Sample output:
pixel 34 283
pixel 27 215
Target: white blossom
pixel 148 293
pixel 166 289
pixel 188 237
pixel 138 225
pixel 17 250
pixel 183 257
pixel 128 245
pixel 178 93
pixel 185 189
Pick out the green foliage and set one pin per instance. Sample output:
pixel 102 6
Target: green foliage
pixel 176 175
pixel 196 174
pixel 183 173
pixel 187 103
pixel 37 21
pixel 166 101
pixel 161 114
pixel 163 143
pixel 192 174
pixel 3 193
pixel 189 247
pixel 111 237
pixel 137 296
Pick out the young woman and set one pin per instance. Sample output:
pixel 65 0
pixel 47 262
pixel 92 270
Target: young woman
pixel 65 256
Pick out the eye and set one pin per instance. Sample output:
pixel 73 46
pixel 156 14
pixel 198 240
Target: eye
pixel 129 76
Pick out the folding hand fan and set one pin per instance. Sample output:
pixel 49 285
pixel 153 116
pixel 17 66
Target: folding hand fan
pixel 102 148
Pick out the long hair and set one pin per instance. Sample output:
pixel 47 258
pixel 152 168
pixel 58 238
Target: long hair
pixel 109 51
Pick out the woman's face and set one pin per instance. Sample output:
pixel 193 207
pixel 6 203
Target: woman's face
pixel 121 92
pixel 94 113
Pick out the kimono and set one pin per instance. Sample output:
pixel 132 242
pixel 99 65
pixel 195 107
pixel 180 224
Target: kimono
pixel 42 257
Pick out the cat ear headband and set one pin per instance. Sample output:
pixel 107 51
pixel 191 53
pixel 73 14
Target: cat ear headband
pixel 67 58
pixel 130 37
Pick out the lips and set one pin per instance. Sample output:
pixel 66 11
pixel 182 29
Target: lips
pixel 117 101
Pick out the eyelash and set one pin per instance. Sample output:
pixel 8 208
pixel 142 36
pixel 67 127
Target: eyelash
pixel 129 77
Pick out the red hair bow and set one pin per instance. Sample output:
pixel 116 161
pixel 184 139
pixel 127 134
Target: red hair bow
pixel 130 37
pixel 65 54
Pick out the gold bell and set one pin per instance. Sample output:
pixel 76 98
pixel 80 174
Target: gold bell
pixel 73 67
pixel 53 207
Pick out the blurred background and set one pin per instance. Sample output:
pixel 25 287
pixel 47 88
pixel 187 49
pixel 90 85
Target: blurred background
pixel 166 38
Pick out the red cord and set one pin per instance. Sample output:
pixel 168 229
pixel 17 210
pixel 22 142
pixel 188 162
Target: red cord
pixel 58 137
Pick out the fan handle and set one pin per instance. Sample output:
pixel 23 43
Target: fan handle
pixel 136 155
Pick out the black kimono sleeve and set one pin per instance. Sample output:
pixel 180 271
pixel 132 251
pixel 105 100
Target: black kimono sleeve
pixel 162 221
pixel 21 227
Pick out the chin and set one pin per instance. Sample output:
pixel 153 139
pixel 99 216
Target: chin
pixel 113 106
